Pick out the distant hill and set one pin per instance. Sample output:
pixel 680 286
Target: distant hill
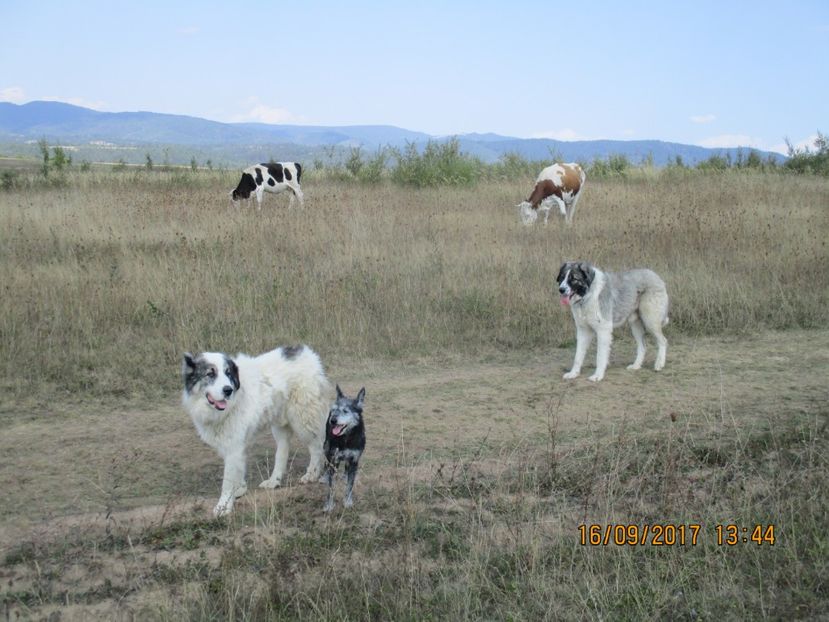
pixel 128 135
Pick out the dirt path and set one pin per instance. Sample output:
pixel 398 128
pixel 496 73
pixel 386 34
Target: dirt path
pixel 85 462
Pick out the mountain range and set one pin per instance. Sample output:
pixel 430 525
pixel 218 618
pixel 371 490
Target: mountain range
pixel 100 136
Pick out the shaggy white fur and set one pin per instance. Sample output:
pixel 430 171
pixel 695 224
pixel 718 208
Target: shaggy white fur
pixel 230 399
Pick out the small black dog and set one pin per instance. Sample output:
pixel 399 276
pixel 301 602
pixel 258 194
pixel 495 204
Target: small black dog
pixel 345 439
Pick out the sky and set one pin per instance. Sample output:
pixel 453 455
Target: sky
pixel 716 74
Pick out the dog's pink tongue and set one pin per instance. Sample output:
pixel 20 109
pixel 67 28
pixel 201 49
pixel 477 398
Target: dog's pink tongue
pixel 565 300
pixel 220 404
pixel 338 430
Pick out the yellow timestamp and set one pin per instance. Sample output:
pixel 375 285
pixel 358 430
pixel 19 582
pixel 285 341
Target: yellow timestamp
pixel 730 535
pixel 671 535
pixel 639 535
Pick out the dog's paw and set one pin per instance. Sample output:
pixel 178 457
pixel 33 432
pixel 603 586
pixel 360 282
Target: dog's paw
pixel 349 502
pixel 271 483
pixel 634 366
pixel 570 375
pixel 240 491
pixel 596 377
pixel 328 506
pixel 658 366
pixel 309 477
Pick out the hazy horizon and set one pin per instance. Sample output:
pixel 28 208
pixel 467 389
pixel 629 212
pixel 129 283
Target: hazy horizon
pixel 705 74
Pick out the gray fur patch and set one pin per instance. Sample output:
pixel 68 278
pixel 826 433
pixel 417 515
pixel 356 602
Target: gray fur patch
pixel 291 352
pixel 194 370
pixel 606 305
pixel 623 291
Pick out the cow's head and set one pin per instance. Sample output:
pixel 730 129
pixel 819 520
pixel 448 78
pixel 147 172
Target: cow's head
pixel 527 213
pixel 244 188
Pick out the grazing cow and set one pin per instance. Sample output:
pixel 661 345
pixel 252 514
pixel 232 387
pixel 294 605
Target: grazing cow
pixel 559 184
pixel 274 177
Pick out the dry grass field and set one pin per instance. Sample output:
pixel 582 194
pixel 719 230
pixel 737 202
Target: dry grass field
pixel 481 462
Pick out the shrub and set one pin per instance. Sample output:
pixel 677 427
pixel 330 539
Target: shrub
pixel 616 165
pixel 8 180
pixel 714 163
pixel 440 163
pixel 807 161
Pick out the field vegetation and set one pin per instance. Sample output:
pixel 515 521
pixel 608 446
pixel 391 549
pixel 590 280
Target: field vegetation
pixel 420 282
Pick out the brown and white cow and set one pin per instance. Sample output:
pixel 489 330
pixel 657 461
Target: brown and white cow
pixel 559 184
pixel 273 177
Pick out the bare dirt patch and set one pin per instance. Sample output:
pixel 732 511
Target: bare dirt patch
pixel 106 506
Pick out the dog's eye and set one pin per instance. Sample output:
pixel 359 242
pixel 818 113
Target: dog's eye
pixel 211 373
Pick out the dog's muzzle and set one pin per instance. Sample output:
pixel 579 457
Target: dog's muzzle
pixel 219 404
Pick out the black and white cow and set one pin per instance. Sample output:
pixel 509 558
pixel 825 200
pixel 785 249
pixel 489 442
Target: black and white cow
pixel 274 177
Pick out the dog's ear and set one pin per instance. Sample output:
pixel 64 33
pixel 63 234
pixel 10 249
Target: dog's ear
pixel 339 393
pixel 233 373
pixel 188 364
pixel 588 271
pixel 361 396
pixel 562 271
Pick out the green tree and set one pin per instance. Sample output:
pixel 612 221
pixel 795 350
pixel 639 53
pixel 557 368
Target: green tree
pixel 61 160
pixel 44 152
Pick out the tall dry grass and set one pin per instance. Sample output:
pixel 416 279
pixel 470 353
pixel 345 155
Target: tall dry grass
pixel 485 538
pixel 107 279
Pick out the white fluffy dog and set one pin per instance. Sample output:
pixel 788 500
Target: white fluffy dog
pixel 601 301
pixel 229 399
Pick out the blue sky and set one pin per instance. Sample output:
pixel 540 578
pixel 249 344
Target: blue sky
pixel 709 73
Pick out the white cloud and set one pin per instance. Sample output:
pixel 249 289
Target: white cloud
pixel 13 94
pixel 703 118
pixel 800 145
pixel 564 134
pixel 260 113
pixel 16 95
pixel 96 104
pixel 724 141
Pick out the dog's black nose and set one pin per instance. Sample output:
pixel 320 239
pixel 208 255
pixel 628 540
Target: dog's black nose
pixel 561 289
pixel 227 391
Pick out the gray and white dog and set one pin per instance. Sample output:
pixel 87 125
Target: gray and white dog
pixel 601 301
pixel 345 440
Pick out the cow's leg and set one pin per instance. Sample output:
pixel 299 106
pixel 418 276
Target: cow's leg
pixel 296 191
pixel 561 206
pixel 260 191
pixel 571 212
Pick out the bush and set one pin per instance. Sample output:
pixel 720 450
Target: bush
pixel 440 163
pixel 8 180
pixel 714 163
pixel 616 165
pixel 512 165
pixel 806 161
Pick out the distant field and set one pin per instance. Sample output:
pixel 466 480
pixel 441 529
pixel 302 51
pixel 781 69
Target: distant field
pixel 482 463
